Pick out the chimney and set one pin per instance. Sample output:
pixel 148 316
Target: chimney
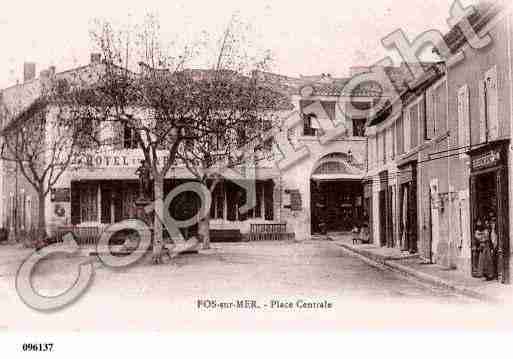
pixel 44 74
pixel 358 70
pixel 29 71
pixel 51 71
pixel 96 58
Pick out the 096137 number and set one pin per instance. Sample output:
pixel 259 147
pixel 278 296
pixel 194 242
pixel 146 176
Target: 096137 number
pixel 37 347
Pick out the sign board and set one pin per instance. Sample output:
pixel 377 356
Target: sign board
pixel 486 160
pixel 295 203
pixel 60 195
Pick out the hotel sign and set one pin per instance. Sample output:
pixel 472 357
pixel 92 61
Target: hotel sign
pixel 107 161
pixel 486 160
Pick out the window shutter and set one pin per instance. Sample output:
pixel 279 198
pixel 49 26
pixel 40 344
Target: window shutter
pixel 407 138
pixel 430 115
pixel 463 118
pixel 492 103
pixel 482 113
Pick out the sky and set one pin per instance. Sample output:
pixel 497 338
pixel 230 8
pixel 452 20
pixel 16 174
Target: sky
pixel 304 37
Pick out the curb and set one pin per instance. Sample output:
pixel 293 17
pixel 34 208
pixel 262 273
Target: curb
pixel 420 276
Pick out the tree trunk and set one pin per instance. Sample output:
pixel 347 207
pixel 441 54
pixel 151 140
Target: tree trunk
pixel 158 218
pixel 204 230
pixel 41 220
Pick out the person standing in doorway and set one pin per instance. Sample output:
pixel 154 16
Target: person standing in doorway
pixel 485 264
pixel 479 235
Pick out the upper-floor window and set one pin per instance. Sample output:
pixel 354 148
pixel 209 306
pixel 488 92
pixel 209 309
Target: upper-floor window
pixel 407 132
pixel 399 133
pixel 359 127
pixel 89 135
pixel 129 137
pixel 463 117
pixel 309 125
pixel 389 143
pixel 359 123
pixel 488 106
pixel 436 110
pixel 414 121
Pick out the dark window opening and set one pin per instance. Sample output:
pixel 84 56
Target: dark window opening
pixel 307 125
pixel 129 138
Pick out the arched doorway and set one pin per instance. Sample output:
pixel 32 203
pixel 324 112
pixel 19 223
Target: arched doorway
pixel 336 191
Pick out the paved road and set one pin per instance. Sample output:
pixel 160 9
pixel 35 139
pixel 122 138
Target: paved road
pixel 166 296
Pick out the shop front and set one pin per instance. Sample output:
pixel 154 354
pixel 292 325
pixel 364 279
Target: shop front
pixel 489 209
pixel 90 198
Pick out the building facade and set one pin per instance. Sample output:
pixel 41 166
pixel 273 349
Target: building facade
pixel 450 164
pixel 321 185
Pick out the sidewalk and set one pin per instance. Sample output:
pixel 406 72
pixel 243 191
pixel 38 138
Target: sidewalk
pixel 11 257
pixel 432 274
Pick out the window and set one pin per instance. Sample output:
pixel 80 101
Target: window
pixel 390 143
pixel 218 202
pixel 399 135
pixel 89 132
pixel 407 133
pixel 384 148
pixel 414 121
pixel 463 118
pixel 89 203
pixel 359 127
pixel 308 130
pixel 129 138
pixel 488 107
pixel 435 111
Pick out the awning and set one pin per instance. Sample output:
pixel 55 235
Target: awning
pixel 337 176
pixel 128 173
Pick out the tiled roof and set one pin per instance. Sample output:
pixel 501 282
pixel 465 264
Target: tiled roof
pixel 432 72
pixel 484 12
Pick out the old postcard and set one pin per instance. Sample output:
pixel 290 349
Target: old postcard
pixel 239 166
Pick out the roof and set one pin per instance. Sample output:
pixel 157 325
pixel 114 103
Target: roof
pixel 484 12
pixel 323 85
pixel 411 90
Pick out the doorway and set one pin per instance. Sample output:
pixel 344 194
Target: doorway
pixel 336 206
pixel 489 203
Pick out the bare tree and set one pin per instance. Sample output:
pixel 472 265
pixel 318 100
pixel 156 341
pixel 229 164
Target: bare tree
pixel 230 109
pixel 174 112
pixel 149 101
pixel 41 140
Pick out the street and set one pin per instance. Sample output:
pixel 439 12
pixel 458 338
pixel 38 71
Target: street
pixel 164 297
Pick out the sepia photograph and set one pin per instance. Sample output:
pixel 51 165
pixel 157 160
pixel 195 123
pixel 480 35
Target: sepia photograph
pixel 248 168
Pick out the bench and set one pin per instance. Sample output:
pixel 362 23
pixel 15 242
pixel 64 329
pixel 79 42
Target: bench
pixel 83 235
pixel 225 235
pixel 269 232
